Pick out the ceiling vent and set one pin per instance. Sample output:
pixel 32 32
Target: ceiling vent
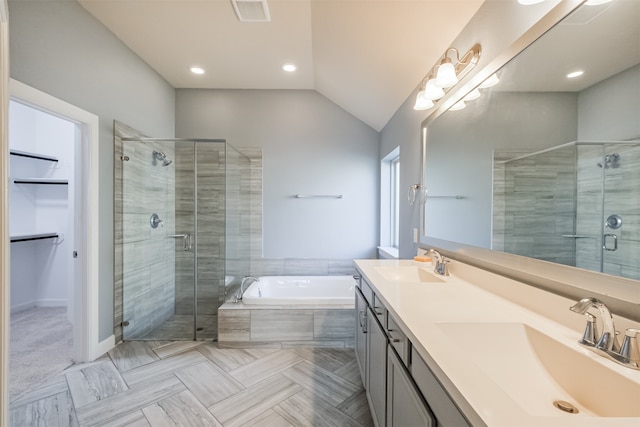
pixel 251 10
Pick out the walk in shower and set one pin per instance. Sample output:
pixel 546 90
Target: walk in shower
pixel 577 204
pixel 181 234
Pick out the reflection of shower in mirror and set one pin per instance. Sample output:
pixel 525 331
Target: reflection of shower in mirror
pixel 159 155
pixel 610 161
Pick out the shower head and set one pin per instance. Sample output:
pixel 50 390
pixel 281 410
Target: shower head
pixel 159 155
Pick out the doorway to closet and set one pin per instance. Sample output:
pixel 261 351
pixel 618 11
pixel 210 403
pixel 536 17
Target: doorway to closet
pixel 53 237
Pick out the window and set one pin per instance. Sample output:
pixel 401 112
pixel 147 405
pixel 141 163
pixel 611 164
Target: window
pixel 390 201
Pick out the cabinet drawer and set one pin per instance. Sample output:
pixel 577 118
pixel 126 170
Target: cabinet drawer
pixel 379 310
pixel 367 292
pixel 398 339
pixel 445 410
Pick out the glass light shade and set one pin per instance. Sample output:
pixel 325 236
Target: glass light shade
pixel 422 103
pixel 446 76
pixel 472 96
pixel 491 81
pixel 458 106
pixel 432 91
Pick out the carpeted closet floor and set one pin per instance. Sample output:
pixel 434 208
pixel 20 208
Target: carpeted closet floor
pixel 41 346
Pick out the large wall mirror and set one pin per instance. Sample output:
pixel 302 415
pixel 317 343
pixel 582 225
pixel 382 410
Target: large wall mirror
pixel 545 165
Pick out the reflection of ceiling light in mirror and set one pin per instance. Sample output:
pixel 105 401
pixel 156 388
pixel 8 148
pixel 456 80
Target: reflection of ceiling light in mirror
pixel 458 106
pixel 491 81
pixel 197 70
pixel 422 103
pixel 529 2
pixel 596 2
pixel 575 74
pixel 472 96
pixel 290 68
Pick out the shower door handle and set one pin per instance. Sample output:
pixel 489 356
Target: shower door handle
pixel 615 242
pixel 186 240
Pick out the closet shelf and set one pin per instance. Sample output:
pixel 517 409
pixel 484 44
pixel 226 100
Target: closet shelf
pixel 29 237
pixel 46 181
pixel 33 155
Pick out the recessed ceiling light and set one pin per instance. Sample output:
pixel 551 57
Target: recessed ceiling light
pixel 575 74
pixel 529 2
pixel 596 2
pixel 290 68
pixel 197 70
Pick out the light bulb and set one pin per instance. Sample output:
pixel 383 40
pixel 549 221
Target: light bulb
pixel 432 90
pixel 491 81
pixel 458 106
pixel 422 103
pixel 446 76
pixel 472 96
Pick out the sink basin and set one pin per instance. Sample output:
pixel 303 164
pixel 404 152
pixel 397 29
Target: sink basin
pixel 536 370
pixel 408 274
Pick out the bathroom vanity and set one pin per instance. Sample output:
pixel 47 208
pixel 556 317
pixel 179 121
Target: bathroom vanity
pixel 478 349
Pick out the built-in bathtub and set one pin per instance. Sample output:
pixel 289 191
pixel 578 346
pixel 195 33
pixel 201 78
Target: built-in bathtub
pixel 291 311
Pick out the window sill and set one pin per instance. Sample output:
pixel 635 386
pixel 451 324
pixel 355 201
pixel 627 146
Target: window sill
pixel 387 252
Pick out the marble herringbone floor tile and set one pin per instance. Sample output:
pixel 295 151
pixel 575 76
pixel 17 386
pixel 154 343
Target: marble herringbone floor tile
pixel 161 383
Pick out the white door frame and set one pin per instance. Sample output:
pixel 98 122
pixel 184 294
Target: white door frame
pixel 4 213
pixel 87 346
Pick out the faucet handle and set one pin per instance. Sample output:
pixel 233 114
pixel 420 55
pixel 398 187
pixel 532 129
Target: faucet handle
pixel 629 351
pixel 590 331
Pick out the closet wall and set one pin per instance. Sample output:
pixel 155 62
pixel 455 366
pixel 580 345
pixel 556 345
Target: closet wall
pixel 40 267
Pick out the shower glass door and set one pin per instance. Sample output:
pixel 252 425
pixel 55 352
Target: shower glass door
pixel 620 165
pixel 158 233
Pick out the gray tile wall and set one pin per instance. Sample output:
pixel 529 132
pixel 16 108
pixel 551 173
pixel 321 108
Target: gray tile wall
pixel 145 291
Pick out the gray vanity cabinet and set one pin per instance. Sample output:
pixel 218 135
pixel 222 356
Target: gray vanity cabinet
pixel 361 335
pixel 376 374
pixel 405 406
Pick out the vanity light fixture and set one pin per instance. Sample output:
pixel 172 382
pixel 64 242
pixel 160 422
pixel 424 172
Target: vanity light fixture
pixel 196 70
pixel 490 82
pixel 472 96
pixel 451 67
pixel 458 105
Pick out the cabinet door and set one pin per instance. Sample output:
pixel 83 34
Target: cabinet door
pixel 405 406
pixel 376 369
pixel 361 335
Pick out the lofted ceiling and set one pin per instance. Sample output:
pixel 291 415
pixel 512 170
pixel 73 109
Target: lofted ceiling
pixel 367 56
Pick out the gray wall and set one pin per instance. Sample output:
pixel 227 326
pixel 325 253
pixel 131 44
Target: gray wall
pixel 609 110
pixel 309 146
pixel 59 48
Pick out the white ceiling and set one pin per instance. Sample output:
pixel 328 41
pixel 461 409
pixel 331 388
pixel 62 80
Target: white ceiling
pixel 367 56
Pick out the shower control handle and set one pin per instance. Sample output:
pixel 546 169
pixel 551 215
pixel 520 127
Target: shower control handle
pixel 607 237
pixel 186 240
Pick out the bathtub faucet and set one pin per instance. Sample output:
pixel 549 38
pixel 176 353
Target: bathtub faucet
pixel 245 279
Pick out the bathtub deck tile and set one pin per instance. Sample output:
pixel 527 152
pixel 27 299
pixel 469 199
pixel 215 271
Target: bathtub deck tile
pixel 281 325
pixel 333 324
pixel 234 325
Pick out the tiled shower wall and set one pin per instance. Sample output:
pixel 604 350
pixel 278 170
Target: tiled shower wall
pixel 534 206
pixel 621 197
pixel 144 256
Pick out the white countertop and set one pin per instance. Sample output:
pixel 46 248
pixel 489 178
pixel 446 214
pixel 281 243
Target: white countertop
pixel 420 308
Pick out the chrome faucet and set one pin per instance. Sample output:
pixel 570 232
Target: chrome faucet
pixel 606 343
pixel 607 340
pixel 441 266
pixel 245 279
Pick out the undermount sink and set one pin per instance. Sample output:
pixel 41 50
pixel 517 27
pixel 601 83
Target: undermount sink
pixel 536 370
pixel 407 274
